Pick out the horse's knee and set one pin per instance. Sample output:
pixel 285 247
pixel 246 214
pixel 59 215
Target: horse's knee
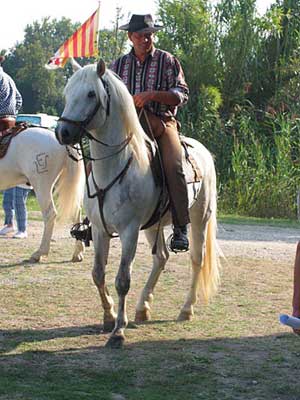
pixel 98 276
pixel 122 285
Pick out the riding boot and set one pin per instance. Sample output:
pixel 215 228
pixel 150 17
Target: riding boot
pixel 171 152
pixel 179 240
pixel 165 131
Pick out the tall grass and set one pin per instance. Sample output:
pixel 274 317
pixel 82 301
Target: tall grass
pixel 265 172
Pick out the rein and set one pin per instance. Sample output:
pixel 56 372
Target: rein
pixel 100 193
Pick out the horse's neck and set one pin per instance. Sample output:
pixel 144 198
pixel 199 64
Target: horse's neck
pixel 111 159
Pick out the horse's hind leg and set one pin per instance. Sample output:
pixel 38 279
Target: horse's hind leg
pixel 45 200
pixel 78 251
pixel 199 219
pixel 79 245
pixel 159 261
pixel 101 246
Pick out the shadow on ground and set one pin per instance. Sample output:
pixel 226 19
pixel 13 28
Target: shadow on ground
pixel 264 367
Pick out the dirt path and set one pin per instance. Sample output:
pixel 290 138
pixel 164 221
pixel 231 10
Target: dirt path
pixel 258 241
pixel 247 241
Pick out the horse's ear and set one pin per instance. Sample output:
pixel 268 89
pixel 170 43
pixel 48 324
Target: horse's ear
pixel 101 67
pixel 75 65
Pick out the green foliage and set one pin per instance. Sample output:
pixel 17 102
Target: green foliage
pixel 112 42
pixel 265 179
pixel 190 34
pixel 41 89
pixel 236 22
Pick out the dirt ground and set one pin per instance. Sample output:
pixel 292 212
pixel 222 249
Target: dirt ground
pixel 246 241
pixel 257 241
pixel 50 314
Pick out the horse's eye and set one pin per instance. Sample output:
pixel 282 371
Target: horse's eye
pixel 91 94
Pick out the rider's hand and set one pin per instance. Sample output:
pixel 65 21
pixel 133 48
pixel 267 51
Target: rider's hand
pixel 142 98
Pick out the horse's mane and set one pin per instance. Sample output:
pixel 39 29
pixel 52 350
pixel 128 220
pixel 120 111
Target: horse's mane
pixel 121 104
pixel 120 94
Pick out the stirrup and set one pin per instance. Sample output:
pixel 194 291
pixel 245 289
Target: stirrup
pixel 178 244
pixel 82 231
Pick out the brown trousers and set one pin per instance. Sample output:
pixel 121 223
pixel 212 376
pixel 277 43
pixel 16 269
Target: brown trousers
pixel 166 134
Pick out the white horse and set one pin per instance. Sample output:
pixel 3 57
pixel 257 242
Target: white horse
pixel 99 105
pixel 35 157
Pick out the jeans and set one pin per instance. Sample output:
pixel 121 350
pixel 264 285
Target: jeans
pixel 14 202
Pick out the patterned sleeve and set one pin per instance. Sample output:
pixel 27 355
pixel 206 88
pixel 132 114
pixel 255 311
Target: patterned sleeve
pixel 19 100
pixel 177 83
pixel 10 98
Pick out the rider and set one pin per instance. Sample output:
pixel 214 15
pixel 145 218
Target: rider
pixel 14 199
pixel 10 99
pixel 156 81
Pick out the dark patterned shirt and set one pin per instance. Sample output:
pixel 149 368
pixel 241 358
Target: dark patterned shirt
pixel 160 71
pixel 10 98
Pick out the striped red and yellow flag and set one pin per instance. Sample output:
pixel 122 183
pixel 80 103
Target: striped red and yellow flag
pixel 83 43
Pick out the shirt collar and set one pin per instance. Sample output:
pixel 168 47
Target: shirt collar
pixel 151 53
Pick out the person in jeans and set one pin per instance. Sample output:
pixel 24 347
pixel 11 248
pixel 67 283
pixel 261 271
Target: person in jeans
pixel 156 81
pixel 14 199
pixel 14 204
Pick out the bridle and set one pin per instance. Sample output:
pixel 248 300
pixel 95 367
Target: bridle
pixel 84 123
pixel 85 132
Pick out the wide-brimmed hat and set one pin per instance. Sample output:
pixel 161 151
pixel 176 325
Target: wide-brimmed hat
pixel 141 23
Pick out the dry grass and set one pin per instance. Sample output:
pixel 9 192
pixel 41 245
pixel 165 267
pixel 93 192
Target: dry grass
pixel 52 346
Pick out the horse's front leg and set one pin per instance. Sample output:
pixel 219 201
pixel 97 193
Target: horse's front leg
pixel 129 243
pixel 101 245
pixel 159 261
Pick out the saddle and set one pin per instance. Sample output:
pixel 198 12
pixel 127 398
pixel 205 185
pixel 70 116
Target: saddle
pixel 7 123
pixel 8 130
pixel 190 168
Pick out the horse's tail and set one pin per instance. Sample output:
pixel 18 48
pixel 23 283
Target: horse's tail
pixel 69 189
pixel 210 271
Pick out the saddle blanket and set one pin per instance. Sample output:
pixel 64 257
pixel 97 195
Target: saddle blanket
pixel 7 134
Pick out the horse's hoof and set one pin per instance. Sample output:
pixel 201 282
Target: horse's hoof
pixel 78 258
pixel 115 342
pixel 108 326
pixel 142 316
pixel 185 316
pixel 34 258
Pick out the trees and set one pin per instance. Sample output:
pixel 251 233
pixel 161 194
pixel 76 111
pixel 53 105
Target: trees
pixel 41 89
pixel 190 34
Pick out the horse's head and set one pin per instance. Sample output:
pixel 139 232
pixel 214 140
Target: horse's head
pixel 87 103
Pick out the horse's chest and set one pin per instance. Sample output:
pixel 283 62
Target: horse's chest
pixel 124 198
